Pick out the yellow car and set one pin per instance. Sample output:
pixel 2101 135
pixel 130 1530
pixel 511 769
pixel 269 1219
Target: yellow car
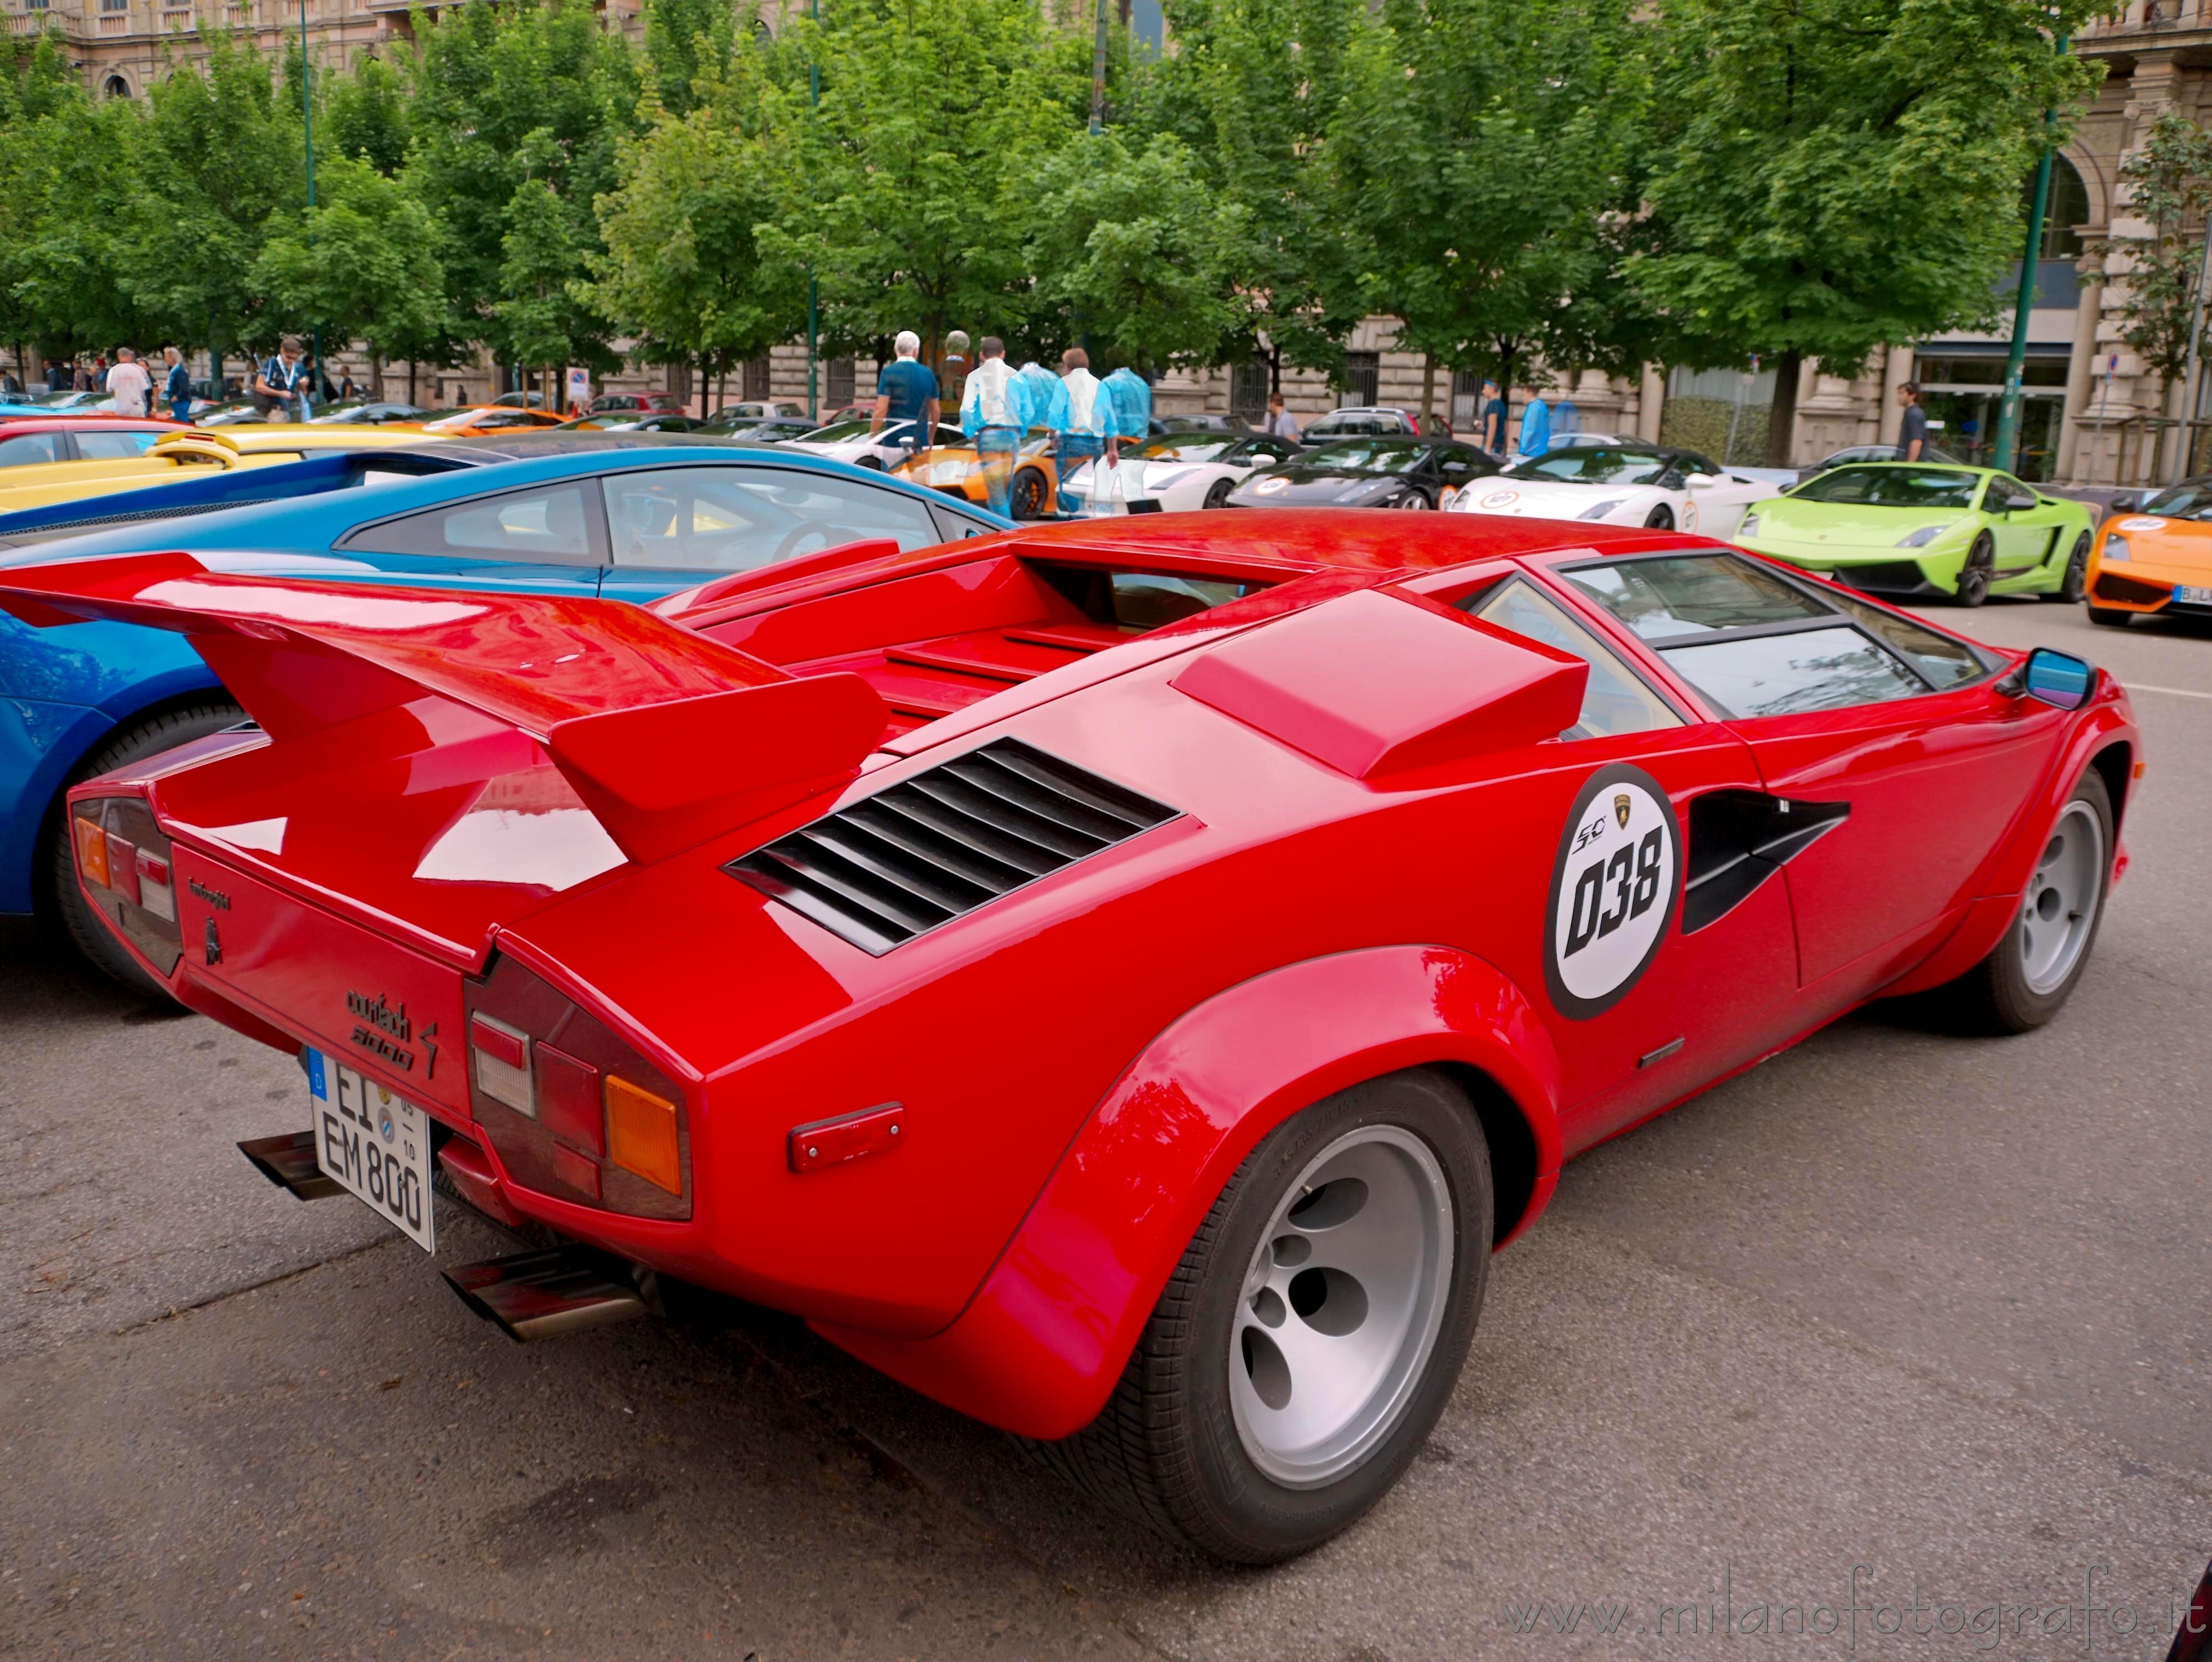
pixel 958 470
pixel 2156 560
pixel 178 456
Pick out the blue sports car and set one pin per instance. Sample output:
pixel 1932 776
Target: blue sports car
pixel 624 517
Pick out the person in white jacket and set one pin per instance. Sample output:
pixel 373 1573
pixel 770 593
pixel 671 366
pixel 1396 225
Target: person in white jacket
pixel 989 417
pixel 1089 431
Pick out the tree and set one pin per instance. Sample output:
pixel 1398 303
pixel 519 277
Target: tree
pixel 684 268
pixel 1254 88
pixel 365 114
pixel 906 183
pixel 688 44
pixel 1128 253
pixel 1481 161
pixel 362 264
pixel 2170 178
pixel 1831 175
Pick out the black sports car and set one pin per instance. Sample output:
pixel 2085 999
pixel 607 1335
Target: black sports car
pixel 1395 470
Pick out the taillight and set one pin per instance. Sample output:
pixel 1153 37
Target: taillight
pixel 123 861
pixel 573 1111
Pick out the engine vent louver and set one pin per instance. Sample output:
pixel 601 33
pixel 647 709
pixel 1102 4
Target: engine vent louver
pixel 937 845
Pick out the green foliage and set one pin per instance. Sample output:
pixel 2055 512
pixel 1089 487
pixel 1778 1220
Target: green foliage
pixel 684 265
pixel 2170 180
pixel 360 263
pixel 365 114
pixel 1481 158
pixel 905 186
pixel 1131 247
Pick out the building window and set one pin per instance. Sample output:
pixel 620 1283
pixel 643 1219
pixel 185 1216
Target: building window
pixel 753 378
pixel 34 5
pixel 2065 213
pixel 837 387
pixel 116 87
pixel 1248 388
pixel 110 8
pixel 1363 375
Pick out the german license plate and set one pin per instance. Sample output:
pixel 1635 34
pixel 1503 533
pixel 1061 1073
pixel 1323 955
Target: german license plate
pixel 2194 596
pixel 376 1145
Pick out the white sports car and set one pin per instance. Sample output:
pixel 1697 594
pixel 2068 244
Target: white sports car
pixel 1185 471
pixel 851 442
pixel 1646 485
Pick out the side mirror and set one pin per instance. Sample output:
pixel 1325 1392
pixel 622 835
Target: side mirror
pixel 1699 481
pixel 2125 502
pixel 2057 678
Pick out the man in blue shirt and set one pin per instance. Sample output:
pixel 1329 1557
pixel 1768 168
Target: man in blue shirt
pixel 1535 426
pixel 907 391
pixel 178 387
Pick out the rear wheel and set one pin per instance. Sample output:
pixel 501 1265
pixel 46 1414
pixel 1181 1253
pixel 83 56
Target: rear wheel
pixel 1661 518
pixel 1306 1344
pixel 1974 575
pixel 1027 495
pixel 2029 974
pixel 2075 583
pixel 63 900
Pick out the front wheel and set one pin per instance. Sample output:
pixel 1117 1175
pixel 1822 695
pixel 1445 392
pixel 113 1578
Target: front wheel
pixel 1974 575
pixel 1306 1344
pixel 2075 585
pixel 2110 617
pixel 1217 494
pixel 2029 974
pixel 1661 518
pixel 62 899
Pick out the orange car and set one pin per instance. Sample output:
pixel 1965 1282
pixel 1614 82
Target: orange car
pixel 2156 560
pixel 958 470
pixel 485 418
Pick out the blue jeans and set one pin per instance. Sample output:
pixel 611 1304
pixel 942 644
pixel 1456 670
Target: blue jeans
pixel 996 449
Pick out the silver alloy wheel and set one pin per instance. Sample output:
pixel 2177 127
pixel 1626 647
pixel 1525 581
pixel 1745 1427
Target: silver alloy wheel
pixel 1341 1306
pixel 1413 500
pixel 2061 908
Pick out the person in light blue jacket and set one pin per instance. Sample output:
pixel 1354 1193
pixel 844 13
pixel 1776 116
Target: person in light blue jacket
pixel 993 415
pixel 1535 426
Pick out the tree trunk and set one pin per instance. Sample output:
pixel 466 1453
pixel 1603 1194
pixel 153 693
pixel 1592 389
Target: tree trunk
pixel 376 377
pixel 1428 389
pixel 411 399
pixel 1781 414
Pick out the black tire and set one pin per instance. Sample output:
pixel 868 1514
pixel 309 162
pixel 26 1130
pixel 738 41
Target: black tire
pixel 1217 494
pixel 2111 617
pixel 876 462
pixel 1995 996
pixel 1974 575
pixel 1026 497
pixel 1166 1449
pixel 1661 518
pixel 62 900
pixel 2075 583
pixel 1415 500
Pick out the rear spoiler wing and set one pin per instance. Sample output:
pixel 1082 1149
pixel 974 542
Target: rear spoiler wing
pixel 668 737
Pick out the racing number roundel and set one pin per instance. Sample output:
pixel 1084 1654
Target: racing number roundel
pixel 1613 890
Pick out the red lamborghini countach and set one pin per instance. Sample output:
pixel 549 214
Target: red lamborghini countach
pixel 1122 979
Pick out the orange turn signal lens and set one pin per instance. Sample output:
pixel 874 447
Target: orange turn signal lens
pixel 641 1135
pixel 92 852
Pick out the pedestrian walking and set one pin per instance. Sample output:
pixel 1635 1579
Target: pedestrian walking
pixel 1089 434
pixel 1490 424
pixel 128 384
pixel 280 383
pixel 1535 425
pixel 1913 431
pixel 906 391
pixel 177 386
pixel 58 377
pixel 347 390
pixel 9 386
pixel 989 416
pixel 1280 422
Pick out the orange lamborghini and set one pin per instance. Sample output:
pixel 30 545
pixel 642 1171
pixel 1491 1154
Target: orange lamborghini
pixel 2156 560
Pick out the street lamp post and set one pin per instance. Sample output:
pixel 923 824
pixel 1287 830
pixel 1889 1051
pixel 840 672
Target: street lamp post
pixel 307 126
pixel 2008 444
pixel 814 290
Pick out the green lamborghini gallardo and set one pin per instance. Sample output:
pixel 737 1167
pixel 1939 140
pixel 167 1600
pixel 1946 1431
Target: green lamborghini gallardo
pixel 1917 529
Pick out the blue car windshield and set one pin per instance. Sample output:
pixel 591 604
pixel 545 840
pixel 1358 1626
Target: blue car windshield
pixel 1895 485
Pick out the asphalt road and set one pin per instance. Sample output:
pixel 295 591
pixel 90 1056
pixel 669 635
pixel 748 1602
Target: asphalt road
pixel 1915 1316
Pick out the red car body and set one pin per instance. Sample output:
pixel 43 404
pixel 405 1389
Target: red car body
pixel 1346 808
pixel 53 438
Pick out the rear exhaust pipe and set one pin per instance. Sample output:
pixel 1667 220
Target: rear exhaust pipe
pixel 288 1162
pixel 530 1296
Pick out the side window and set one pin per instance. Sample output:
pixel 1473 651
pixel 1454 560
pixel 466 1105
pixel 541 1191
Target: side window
pixel 27 448
pixel 738 519
pixel 1615 700
pixel 554 523
pixel 114 446
pixel 953 528
pixel 1942 662
pixel 1751 640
